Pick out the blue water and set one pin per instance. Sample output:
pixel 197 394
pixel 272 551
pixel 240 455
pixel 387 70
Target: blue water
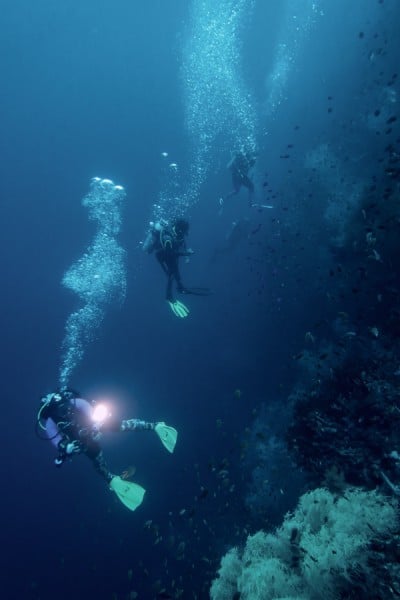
pixel 104 89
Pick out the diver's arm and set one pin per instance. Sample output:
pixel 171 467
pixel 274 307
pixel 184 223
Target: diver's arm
pixel 66 448
pixel 58 440
pixel 149 242
pixel 52 432
pixel 184 250
pixel 62 450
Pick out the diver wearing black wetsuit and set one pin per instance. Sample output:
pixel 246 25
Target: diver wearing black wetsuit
pixel 68 423
pixel 168 243
pixel 240 165
pixel 170 247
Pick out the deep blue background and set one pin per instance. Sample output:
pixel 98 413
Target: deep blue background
pixel 93 89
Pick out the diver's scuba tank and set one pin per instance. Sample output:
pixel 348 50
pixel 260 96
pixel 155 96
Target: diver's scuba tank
pixel 62 396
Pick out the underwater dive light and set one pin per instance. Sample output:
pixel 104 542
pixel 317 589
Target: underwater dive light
pixel 100 413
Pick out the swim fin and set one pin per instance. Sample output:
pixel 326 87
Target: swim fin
pixel 131 494
pixel 168 435
pixel 179 309
pixel 197 291
pixel 261 206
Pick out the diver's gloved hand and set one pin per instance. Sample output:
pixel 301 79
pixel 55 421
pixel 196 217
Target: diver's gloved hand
pixel 73 448
pixel 188 253
pixel 178 308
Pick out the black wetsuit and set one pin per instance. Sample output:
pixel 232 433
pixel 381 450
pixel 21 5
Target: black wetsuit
pixel 169 244
pixel 69 420
pixel 169 247
pixel 240 167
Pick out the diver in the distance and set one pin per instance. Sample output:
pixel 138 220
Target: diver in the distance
pixel 75 425
pixel 168 242
pixel 240 166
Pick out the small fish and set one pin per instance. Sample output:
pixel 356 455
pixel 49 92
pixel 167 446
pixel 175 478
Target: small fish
pixel 203 493
pixel 223 473
pixel 375 256
pixel 309 337
pixel 343 315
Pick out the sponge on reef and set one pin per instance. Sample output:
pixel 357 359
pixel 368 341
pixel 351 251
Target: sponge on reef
pixel 318 553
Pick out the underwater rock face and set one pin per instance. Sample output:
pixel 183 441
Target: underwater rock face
pixel 325 548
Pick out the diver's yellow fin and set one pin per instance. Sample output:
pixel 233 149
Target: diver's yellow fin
pixel 131 494
pixel 179 309
pixel 168 435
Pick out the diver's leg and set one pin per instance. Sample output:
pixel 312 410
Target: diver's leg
pixel 169 296
pixel 160 256
pixel 177 276
pixel 250 188
pixel 230 195
pixel 95 453
pixel 234 192
pixel 236 183
pixel 174 274
pixel 136 425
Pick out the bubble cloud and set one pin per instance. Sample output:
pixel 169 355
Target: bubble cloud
pixel 98 277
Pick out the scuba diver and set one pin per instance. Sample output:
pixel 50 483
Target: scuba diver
pixel 169 244
pixel 240 165
pixel 75 425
